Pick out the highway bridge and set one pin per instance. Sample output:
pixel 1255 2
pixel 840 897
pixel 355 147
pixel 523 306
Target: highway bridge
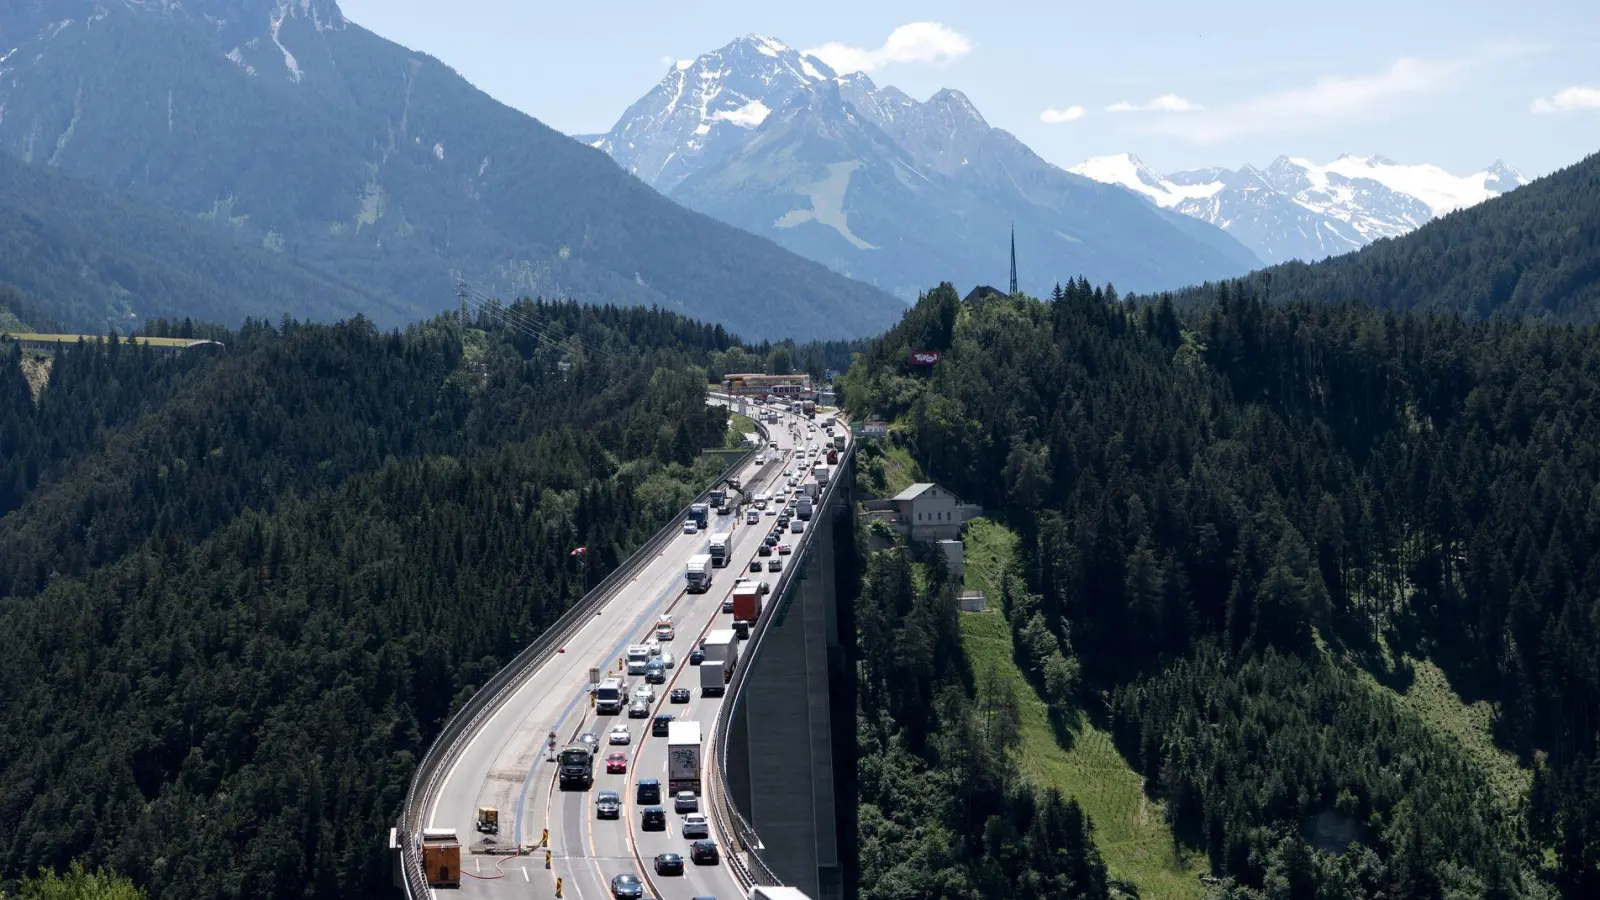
pixel 496 751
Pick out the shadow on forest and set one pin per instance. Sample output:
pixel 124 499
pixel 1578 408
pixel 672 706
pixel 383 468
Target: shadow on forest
pixel 1064 725
pixel 1357 636
pixel 1385 650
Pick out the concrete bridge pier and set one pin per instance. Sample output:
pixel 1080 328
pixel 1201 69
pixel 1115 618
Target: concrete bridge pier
pixel 791 753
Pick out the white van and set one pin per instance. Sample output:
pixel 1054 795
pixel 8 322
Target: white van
pixel 752 517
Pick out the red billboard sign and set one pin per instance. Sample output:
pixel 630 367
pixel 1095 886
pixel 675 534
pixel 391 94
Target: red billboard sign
pixel 924 357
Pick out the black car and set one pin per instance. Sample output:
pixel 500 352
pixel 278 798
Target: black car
pixel 774 564
pixel 698 656
pixel 608 805
pixel 639 709
pixel 653 818
pixel 727 605
pixel 741 629
pixel 755 565
pixel 704 853
pixel 669 864
pixel 765 549
pixel 658 725
pixel 647 791
pixel 627 887
pixel 655 676
pixel 681 695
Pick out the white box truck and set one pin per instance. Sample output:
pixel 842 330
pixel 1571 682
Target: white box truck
pixel 767 892
pixel 683 757
pixel 638 657
pixel 722 655
pixel 698 573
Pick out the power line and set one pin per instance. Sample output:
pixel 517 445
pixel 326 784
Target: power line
pixel 529 324
pixel 522 321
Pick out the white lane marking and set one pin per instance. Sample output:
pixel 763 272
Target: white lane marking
pixel 525 874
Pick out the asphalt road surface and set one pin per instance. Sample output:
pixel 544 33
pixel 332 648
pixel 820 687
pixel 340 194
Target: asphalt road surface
pixel 506 763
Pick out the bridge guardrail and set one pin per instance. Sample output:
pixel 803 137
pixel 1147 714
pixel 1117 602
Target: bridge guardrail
pixel 445 748
pixel 729 821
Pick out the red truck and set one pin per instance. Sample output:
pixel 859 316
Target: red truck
pixel 747 602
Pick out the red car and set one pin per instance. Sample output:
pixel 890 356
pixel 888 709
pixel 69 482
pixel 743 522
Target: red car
pixel 617 764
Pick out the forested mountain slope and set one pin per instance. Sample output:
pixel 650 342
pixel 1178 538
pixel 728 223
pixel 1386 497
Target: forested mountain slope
pixel 944 811
pixel 241 592
pixel 92 259
pixel 313 137
pixel 1209 502
pixel 1533 253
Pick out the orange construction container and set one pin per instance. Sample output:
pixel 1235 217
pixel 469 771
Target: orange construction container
pixel 441 857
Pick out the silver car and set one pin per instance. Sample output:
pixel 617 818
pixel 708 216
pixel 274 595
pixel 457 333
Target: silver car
pixel 685 802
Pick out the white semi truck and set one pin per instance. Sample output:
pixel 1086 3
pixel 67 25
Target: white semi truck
pixel 698 573
pixel 722 655
pixel 683 757
pixel 719 548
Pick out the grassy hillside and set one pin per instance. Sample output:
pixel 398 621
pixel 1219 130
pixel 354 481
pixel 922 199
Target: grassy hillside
pixel 1418 685
pixel 1081 761
pixel 1209 500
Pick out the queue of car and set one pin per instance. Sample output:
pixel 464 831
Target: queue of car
pixel 652 663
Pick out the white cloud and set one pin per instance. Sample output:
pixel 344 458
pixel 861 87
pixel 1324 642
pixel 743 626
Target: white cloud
pixel 917 42
pixel 1328 103
pixel 1169 103
pixel 1058 116
pixel 1572 99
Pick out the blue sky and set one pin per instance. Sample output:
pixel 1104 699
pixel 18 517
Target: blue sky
pixel 1179 84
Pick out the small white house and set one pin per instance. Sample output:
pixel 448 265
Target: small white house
pixel 930 512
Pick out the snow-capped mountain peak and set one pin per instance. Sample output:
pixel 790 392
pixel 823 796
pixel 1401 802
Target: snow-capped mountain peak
pixel 702 107
pixel 1500 177
pixel 1127 170
pixel 955 107
pixel 1297 208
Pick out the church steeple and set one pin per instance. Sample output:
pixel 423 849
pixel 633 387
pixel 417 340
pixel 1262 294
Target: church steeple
pixel 1013 259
